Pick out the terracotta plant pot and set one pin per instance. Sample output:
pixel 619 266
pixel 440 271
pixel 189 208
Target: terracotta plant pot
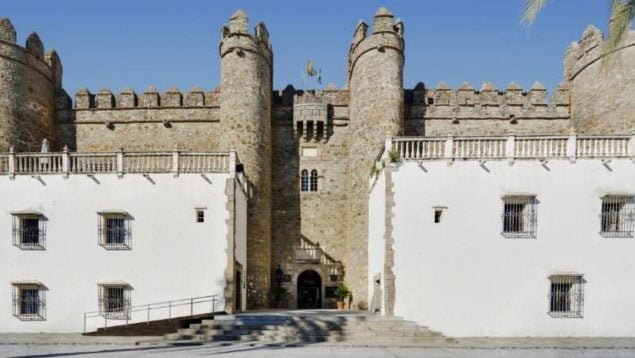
pixel 341 305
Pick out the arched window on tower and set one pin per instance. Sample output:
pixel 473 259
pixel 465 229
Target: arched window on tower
pixel 314 180
pixel 304 180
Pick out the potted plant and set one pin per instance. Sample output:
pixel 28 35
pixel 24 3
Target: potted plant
pixel 279 296
pixel 342 293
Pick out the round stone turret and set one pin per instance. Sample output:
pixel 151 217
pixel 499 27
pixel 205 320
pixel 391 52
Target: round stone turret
pixel 28 88
pixel 245 114
pixel 602 88
pixel 376 110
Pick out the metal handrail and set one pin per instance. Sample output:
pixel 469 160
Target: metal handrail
pixel 169 305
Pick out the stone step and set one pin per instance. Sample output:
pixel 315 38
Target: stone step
pixel 294 328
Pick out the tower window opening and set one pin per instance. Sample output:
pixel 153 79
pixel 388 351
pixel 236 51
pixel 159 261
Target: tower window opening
pixel 304 180
pixel 300 128
pixel 314 180
pixel 320 129
pixel 309 130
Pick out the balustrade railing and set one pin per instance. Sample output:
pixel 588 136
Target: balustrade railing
pixel 540 147
pixel 116 162
pixel 203 162
pixel 514 147
pixel 40 163
pixel 89 163
pixel 602 147
pixel 414 148
pixel 147 313
pixel 147 162
pixel 479 147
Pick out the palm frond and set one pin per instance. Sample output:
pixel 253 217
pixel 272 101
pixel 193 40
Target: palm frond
pixel 621 17
pixel 531 10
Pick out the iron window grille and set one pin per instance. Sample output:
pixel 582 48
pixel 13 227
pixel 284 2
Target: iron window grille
pixel 29 231
pixel 519 216
pixel 618 216
pixel 566 296
pixel 114 231
pixel 314 180
pixel 114 300
pixel 29 301
pixel 304 180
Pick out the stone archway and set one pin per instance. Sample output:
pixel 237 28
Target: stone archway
pixel 309 294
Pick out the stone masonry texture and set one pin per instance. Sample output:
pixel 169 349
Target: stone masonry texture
pixel 269 128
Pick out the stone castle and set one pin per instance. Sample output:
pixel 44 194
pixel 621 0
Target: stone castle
pixel 282 135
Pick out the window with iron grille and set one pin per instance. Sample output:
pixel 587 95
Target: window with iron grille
pixel 29 231
pixel 314 180
pixel 618 216
pixel 519 216
pixel 304 180
pixel 200 215
pixel 29 301
pixel 114 300
pixel 114 230
pixel 566 296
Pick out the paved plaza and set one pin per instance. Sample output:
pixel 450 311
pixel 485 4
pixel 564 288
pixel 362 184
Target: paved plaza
pixel 305 351
pixel 69 345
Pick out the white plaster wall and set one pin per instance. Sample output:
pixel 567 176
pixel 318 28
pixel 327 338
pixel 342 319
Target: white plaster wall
pixel 172 256
pixel 241 237
pixel 463 278
pixel 376 230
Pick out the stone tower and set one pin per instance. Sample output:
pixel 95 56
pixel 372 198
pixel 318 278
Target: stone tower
pixel 376 110
pixel 29 81
pixel 245 114
pixel 602 89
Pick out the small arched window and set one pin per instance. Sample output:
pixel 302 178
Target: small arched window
pixel 314 180
pixel 304 180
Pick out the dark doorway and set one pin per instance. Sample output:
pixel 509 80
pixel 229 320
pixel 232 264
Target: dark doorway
pixel 309 290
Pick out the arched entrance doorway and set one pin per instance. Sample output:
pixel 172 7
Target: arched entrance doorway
pixel 309 290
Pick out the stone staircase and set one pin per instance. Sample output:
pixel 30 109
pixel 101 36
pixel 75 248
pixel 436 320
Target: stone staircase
pixel 302 327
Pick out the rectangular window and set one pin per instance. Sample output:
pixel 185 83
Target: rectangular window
pixel 438 213
pixel 618 216
pixel 519 216
pixel 114 300
pixel 200 215
pixel 29 231
pixel 29 301
pixel 114 231
pixel 566 296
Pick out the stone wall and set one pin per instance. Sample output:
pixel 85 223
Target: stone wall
pixel 151 121
pixel 245 111
pixel 29 79
pixel 602 89
pixel 488 111
pixel 318 217
pixel 376 111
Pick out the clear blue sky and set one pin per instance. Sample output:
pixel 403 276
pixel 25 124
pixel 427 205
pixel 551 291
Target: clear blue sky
pixel 164 43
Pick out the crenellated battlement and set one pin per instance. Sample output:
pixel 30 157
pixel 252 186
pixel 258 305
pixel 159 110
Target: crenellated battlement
pixel 589 49
pixel 387 34
pixel 235 37
pixel 31 88
pixel 336 96
pixel 489 102
pixel 150 98
pixel 32 55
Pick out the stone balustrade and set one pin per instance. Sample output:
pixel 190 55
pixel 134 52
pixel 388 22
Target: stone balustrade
pixel 119 162
pixel 512 147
